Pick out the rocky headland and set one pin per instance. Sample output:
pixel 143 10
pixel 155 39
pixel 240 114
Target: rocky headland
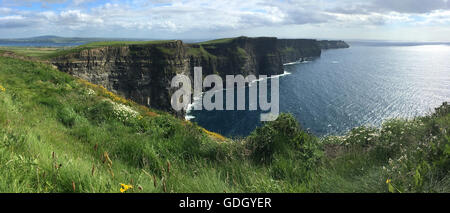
pixel 143 71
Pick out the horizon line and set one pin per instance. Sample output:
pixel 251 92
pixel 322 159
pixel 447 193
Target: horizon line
pixel 213 38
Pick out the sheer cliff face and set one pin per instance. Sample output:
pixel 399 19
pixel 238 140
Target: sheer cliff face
pixel 143 72
pixel 325 44
pixel 245 56
pixel 138 72
pixel 298 49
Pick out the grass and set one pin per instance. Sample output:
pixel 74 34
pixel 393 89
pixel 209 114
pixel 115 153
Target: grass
pixel 216 41
pixel 93 45
pixel 200 52
pixel 61 134
pixel 56 129
pixel 122 43
pixel 37 52
pixel 46 53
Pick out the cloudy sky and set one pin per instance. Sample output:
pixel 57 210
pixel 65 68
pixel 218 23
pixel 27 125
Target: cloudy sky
pixel 412 20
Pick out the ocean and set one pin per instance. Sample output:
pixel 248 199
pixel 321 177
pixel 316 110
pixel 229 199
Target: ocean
pixel 365 84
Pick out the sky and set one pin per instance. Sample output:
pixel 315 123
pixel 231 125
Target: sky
pixel 397 20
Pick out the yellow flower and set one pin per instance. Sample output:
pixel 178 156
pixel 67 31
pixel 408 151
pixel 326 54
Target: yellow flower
pixel 2 88
pixel 125 187
pixel 388 181
pixel 214 135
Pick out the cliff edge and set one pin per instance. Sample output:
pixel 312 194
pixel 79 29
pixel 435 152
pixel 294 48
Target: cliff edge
pixel 142 71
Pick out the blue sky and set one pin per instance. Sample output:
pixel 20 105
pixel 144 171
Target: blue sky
pixel 409 20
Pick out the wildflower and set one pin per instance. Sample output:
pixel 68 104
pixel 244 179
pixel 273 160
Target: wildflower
pixel 2 89
pixel 125 187
pixel 214 135
pixel 388 181
pixel 90 92
pixel 123 112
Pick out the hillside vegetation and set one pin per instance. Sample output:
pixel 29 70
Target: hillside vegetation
pixel 46 53
pixel 61 134
pixel 37 52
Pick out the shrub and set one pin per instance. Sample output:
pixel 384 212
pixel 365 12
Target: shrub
pixel 271 138
pixel 363 136
pixel 165 125
pixel 442 110
pixel 310 151
pixel 283 137
pixel 101 111
pixel 423 157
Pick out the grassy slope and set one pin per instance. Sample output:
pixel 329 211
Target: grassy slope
pixel 53 133
pixel 402 155
pixel 31 51
pixel 61 134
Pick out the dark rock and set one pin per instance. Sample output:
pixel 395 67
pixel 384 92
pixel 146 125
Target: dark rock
pixel 143 72
pixel 326 44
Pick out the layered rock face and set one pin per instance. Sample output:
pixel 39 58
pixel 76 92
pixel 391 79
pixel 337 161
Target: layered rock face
pixel 143 72
pixel 298 49
pixel 242 55
pixel 326 44
pixel 139 72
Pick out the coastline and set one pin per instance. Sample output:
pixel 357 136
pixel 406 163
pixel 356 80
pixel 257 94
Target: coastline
pixel 188 116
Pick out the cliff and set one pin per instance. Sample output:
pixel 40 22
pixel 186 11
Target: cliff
pixel 298 49
pixel 242 55
pixel 327 44
pixel 142 71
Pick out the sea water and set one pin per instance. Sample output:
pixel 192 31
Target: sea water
pixel 345 88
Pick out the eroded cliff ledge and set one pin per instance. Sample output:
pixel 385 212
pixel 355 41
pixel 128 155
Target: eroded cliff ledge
pixel 143 71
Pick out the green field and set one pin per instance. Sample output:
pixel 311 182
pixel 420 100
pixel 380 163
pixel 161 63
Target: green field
pixel 217 41
pixel 38 52
pixel 46 53
pixel 50 52
pixel 62 134
pixel 123 43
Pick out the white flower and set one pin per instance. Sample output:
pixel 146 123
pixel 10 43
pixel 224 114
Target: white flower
pixel 123 112
pixel 90 92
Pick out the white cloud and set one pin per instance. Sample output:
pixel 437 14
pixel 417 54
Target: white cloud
pixel 162 18
pixel 14 21
pixel 4 10
pixel 412 6
pixel 436 18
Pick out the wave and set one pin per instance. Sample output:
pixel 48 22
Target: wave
pixel 273 76
pixel 190 107
pixel 292 63
pixel 297 62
